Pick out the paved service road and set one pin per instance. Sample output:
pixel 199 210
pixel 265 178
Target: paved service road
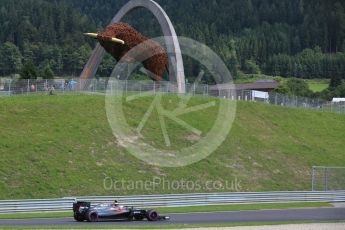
pixel 310 214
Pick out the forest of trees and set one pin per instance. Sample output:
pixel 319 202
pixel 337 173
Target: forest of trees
pixel 289 38
pixel 44 35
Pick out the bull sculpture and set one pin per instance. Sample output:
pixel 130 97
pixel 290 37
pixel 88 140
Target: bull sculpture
pixel 119 38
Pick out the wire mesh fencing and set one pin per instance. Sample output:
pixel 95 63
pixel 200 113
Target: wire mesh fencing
pixel 69 86
pixel 328 178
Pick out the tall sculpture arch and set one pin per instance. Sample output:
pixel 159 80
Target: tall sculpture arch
pixel 176 69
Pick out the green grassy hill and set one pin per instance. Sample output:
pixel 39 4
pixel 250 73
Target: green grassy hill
pixel 56 146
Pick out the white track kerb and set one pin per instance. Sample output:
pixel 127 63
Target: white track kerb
pixel 131 137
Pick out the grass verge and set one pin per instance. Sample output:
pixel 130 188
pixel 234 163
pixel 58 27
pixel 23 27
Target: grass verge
pixel 243 207
pixel 208 208
pixel 48 144
pixel 179 226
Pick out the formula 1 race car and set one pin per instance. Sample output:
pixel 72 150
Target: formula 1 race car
pixel 112 211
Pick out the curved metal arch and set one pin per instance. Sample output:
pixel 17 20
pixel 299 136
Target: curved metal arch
pixel 176 69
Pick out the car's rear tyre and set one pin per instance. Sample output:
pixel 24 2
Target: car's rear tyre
pixel 78 217
pixel 152 215
pixel 92 217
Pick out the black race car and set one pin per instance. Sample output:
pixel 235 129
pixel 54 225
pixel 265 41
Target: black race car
pixel 112 211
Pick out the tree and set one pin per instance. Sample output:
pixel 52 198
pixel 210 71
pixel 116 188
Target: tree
pixel 29 52
pixel 298 87
pixel 339 91
pixel 335 82
pixel 233 60
pixel 282 89
pixel 271 33
pixel 339 24
pixel 251 67
pixel 28 71
pixel 107 65
pixel 11 58
pixel 84 53
pixel 47 72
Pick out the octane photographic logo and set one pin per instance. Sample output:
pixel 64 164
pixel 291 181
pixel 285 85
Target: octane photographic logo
pixel 168 113
pixel 161 183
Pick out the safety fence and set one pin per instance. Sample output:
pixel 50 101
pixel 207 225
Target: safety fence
pixel 173 200
pixel 71 86
pixel 325 178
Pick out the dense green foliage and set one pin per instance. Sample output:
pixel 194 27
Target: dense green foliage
pixel 300 38
pixel 294 86
pixel 45 34
pixel 58 146
pixel 29 71
pixel 310 63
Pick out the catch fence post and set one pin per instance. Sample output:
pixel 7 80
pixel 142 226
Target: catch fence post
pixel 28 87
pixel 154 88
pixel 324 179
pixel 312 178
pixel 9 88
pixel 111 88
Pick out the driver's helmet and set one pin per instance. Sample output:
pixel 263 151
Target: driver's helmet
pixel 115 203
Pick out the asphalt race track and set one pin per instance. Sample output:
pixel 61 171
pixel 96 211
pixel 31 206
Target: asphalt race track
pixel 310 214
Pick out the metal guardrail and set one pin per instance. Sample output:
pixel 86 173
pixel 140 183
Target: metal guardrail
pixel 173 200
